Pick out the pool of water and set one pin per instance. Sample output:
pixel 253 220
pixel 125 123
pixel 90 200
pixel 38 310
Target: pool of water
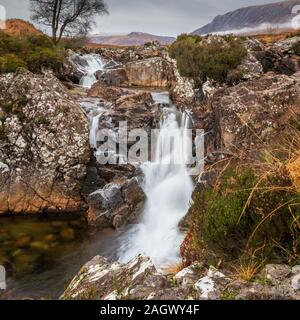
pixel 42 255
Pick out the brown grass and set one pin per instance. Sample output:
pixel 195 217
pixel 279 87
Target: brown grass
pixel 276 35
pixel 174 269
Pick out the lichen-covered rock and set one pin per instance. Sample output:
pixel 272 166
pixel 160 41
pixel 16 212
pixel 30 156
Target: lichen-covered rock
pixel 182 92
pixel 254 112
pixel 101 280
pixel 212 285
pixel 152 72
pixel 44 148
pixel 123 55
pixel 139 279
pixel 280 57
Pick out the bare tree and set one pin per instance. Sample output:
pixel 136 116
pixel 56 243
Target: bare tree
pixel 67 17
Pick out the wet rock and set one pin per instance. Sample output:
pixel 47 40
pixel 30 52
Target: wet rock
pixel 112 65
pixel 25 263
pixel 152 72
pixel 67 234
pixel 112 77
pixel 39 246
pixel 23 242
pixel 138 109
pixel 50 238
pixel 116 204
pixel 44 146
pixel 73 68
pixel 107 93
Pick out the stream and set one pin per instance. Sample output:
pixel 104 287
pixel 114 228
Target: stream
pixel 42 264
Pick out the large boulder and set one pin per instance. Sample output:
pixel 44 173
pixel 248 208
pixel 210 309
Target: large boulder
pixel 44 148
pixel 151 72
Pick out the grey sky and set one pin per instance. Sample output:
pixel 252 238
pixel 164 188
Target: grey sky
pixel 161 17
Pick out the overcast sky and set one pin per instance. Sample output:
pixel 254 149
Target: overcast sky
pixel 161 17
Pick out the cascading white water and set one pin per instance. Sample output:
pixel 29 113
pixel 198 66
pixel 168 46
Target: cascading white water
pixel 94 109
pixel 94 64
pixel 168 188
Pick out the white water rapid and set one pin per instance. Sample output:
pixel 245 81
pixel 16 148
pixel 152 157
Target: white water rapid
pixel 168 188
pixel 94 64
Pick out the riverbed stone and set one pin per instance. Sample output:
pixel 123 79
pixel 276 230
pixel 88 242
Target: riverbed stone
pixel 116 204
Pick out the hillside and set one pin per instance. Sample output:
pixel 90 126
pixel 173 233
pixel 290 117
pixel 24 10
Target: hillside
pixel 131 39
pixel 263 17
pixel 19 27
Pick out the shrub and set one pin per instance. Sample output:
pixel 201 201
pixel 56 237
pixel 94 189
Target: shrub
pixel 10 63
pixel 43 58
pixel 39 41
pixel 34 53
pixel 199 59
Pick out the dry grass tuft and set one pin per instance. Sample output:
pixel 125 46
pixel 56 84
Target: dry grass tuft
pixel 294 172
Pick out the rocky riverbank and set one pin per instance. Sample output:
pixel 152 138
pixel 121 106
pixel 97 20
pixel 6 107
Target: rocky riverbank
pixel 245 209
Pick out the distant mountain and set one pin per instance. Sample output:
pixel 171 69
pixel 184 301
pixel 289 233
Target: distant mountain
pixel 275 15
pixel 19 27
pixel 131 39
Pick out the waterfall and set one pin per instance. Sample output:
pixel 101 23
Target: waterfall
pixel 94 110
pixel 168 188
pixel 93 64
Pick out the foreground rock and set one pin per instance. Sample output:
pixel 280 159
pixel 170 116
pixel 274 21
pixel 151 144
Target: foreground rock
pixel 139 279
pixel 102 280
pixel 44 148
